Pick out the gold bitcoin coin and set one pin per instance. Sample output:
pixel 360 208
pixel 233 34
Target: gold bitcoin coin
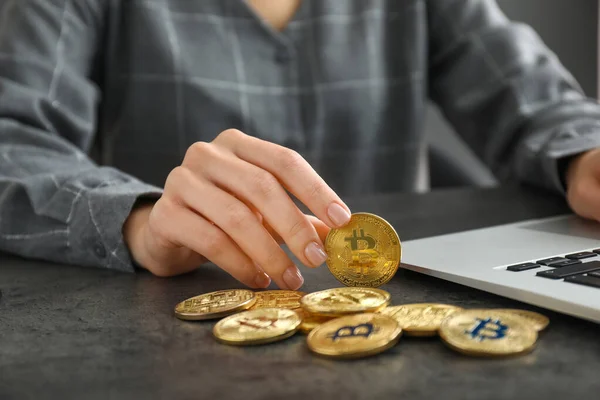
pixel 487 333
pixel 366 252
pixel 310 321
pixel 289 299
pixel 420 319
pixel 538 321
pixel 343 301
pixel 215 304
pixel 355 336
pixel 264 325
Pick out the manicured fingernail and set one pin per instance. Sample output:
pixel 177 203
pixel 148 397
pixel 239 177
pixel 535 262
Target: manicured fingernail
pixel 292 278
pixel 315 254
pixel 262 280
pixel 338 214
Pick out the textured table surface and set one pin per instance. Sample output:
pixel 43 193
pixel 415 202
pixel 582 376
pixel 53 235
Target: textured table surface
pixel 69 332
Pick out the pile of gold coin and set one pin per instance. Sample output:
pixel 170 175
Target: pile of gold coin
pixel 366 252
pixel 355 322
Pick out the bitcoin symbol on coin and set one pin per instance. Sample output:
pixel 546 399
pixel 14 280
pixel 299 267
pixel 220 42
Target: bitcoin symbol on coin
pixel 482 330
pixel 364 330
pixel 364 254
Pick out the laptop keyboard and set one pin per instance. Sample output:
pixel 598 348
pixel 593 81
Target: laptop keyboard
pixel 570 268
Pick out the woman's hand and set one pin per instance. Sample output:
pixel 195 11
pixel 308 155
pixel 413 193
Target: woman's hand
pixel 227 203
pixel 583 184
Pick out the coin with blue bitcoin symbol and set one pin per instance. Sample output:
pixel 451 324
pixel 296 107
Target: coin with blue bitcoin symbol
pixel 480 332
pixel 355 336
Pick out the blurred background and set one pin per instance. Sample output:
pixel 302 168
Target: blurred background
pixel 570 29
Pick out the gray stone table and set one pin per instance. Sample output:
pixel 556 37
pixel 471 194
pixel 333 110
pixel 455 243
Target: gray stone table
pixel 74 333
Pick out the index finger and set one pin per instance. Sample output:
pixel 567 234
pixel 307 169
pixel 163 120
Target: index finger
pixel 297 176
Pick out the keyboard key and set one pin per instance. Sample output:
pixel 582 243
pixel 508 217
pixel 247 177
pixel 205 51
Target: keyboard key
pixel 565 263
pixel 548 261
pixel 581 255
pixel 522 267
pixel 584 280
pixel 595 274
pixel 577 269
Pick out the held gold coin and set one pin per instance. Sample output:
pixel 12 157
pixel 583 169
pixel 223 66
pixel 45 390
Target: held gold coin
pixel 289 299
pixel 538 321
pixel 366 252
pixel 215 304
pixel 310 321
pixel 260 326
pixel 420 319
pixel 354 336
pixel 487 333
pixel 343 301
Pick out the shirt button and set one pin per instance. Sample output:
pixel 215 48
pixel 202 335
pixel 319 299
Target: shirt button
pixel 282 56
pixel 100 250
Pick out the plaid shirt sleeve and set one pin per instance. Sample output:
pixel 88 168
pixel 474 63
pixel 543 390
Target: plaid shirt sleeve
pixel 55 203
pixel 506 93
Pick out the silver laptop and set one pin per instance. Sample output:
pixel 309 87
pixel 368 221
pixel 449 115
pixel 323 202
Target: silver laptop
pixel 552 263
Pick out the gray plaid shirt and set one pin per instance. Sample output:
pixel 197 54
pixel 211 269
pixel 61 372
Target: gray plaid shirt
pixel 345 84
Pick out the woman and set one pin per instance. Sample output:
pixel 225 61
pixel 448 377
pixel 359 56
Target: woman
pixel 228 104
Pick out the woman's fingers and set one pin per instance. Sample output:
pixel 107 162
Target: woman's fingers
pixel 181 226
pixel 240 223
pixel 262 191
pixel 292 171
pixel 238 210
